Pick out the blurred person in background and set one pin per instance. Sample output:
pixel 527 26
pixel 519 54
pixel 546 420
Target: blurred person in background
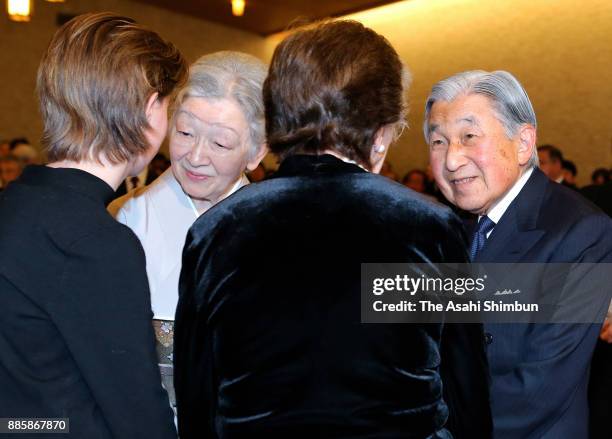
pixel 14 143
pixel 22 149
pixel 27 154
pixel 268 337
pixel 551 162
pixel 10 169
pixel 569 173
pixel 76 335
pixel 416 180
pixel 157 167
pixel 600 176
pixel 5 148
pixel 387 171
pixel 217 133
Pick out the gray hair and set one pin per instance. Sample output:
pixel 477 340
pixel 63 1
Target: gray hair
pixel 231 75
pixel 508 96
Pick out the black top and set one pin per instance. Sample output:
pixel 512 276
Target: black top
pixel 268 337
pixel 76 339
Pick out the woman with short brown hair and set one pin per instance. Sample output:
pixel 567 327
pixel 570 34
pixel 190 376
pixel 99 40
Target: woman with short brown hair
pixel 336 86
pixel 76 335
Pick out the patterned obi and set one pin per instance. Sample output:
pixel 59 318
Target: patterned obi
pixel 164 335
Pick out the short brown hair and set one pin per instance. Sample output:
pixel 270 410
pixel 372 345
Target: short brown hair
pixel 332 86
pixel 94 81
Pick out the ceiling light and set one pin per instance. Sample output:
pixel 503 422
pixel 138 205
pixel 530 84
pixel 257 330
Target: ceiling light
pixel 238 7
pixel 19 10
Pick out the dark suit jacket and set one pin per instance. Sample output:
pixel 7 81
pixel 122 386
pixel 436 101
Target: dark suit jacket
pixel 268 338
pixel 540 371
pixel 76 339
pixel 600 385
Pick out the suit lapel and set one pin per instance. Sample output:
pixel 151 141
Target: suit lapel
pixel 517 231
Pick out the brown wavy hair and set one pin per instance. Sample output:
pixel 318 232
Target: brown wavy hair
pixel 94 81
pixel 332 86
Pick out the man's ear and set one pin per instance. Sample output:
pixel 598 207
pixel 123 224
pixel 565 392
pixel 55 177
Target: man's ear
pixel 527 142
pixel 378 153
pixel 261 153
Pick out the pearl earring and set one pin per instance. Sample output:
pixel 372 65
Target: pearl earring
pixel 379 148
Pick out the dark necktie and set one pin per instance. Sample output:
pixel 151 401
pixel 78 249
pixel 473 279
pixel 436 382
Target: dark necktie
pixel 485 225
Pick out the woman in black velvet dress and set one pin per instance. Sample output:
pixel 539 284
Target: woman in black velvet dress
pixel 268 337
pixel 76 339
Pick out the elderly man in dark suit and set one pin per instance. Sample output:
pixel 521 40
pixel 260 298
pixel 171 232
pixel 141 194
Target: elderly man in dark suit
pixel 481 131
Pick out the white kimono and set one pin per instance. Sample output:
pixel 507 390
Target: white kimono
pixel 160 215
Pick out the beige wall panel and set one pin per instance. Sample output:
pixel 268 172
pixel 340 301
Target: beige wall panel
pixel 22 45
pixel 560 50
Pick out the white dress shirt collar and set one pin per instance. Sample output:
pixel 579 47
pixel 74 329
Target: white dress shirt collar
pixel 498 210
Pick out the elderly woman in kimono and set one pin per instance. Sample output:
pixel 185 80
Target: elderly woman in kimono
pixel 216 134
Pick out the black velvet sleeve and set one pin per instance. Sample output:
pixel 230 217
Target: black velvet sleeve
pixel 193 369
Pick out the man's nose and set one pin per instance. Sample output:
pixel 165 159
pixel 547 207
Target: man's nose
pixel 455 157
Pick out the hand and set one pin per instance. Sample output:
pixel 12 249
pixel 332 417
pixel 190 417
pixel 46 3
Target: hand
pixel 606 331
